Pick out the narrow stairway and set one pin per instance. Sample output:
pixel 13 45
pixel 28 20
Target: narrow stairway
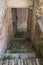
pixel 19 52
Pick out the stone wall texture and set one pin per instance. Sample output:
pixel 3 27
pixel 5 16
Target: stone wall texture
pixel 22 17
pixel 2 26
pixel 5 26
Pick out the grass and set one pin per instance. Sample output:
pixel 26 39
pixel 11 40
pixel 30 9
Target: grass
pixel 6 57
pixel 13 49
pixel 20 34
pixel 17 49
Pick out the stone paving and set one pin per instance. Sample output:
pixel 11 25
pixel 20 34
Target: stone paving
pixel 21 58
pixel 20 62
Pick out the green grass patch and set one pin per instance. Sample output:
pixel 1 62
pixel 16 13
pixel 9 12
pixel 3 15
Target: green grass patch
pixel 20 34
pixel 13 49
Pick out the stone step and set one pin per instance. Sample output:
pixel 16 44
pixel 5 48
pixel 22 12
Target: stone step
pixel 19 39
pixel 19 55
pixel 19 62
pixel 21 46
pixel 19 42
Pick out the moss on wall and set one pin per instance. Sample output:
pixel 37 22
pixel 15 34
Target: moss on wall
pixel 38 41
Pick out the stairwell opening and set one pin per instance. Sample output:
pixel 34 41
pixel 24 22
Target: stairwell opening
pixel 19 19
pixel 22 19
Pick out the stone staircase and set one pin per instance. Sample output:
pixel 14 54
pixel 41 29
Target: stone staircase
pixel 20 62
pixel 24 56
pixel 21 44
